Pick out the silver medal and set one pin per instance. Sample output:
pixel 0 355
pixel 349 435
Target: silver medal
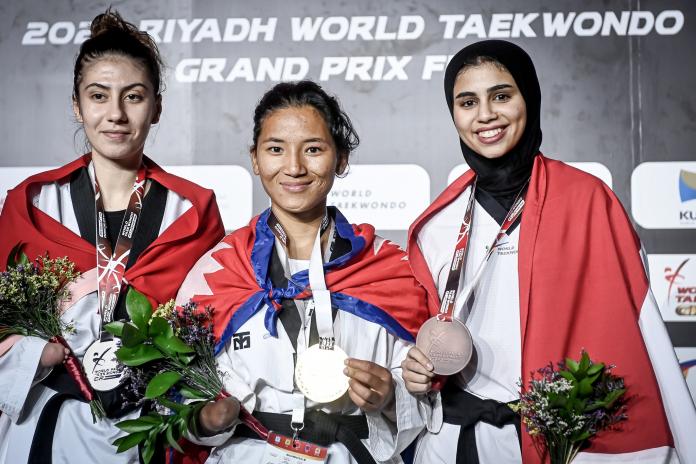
pixel 103 369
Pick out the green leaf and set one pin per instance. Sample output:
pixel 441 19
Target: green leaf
pixel 573 391
pixel 613 396
pixel 174 406
pixel 585 387
pixel 148 451
pixel 580 406
pixel 161 383
pixel 135 425
pixel 191 393
pixel 182 424
pixel 186 359
pixel 193 419
pixel 593 378
pixel 572 365
pixel 172 345
pixel 595 405
pixel 17 256
pixel 131 335
pixel 139 309
pixel 567 375
pixel 139 355
pixel 129 441
pixel 115 328
pixel 14 254
pixel 584 363
pixel 160 326
pixel 595 368
pixel 153 418
pixel 173 441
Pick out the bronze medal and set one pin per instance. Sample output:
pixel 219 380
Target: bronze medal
pixel 447 344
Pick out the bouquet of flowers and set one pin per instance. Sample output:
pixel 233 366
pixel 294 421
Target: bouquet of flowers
pixel 564 407
pixel 30 297
pixel 169 356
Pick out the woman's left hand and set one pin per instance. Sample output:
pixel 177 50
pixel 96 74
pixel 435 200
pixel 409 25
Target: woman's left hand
pixel 371 385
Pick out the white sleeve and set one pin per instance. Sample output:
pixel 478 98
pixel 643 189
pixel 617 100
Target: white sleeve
pixel 679 406
pixel 386 438
pixel 18 369
pixel 236 387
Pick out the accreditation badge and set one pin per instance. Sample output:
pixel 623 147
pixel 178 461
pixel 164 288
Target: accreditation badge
pixel 319 373
pixel 281 449
pixel 103 369
pixel 447 343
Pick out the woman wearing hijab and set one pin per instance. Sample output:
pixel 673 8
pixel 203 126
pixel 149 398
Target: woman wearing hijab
pixel 564 275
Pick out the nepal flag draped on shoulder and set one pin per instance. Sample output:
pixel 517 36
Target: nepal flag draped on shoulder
pixel 372 281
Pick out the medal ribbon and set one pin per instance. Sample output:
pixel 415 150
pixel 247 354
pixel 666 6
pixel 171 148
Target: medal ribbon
pixel 322 306
pixel 460 252
pixel 111 264
pixel 317 284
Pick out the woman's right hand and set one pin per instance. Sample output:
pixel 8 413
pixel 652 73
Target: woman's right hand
pixel 417 371
pixel 218 416
pixel 53 354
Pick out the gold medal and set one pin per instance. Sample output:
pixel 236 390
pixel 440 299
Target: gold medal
pixel 319 373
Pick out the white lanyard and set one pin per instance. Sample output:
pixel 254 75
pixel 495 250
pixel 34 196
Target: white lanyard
pixel 322 309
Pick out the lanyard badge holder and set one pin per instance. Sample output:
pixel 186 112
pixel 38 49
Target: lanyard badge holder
pixel 101 366
pixel 444 338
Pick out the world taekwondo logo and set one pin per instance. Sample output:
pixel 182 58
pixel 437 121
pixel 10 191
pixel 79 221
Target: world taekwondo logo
pixel 681 292
pixel 687 194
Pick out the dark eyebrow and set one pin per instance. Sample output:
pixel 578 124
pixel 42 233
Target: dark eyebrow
pixel 495 88
pixel 273 140
pixel 464 94
pixel 106 87
pixel 277 140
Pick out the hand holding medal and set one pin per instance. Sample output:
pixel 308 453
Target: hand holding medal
pixel 371 385
pixel 444 339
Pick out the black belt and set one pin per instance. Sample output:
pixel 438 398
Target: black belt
pixel 41 451
pixel 466 410
pixel 320 428
pixel 117 402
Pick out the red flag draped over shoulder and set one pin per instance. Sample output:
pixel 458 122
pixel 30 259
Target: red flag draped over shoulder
pixel 160 268
pixel 582 285
pixel 372 281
